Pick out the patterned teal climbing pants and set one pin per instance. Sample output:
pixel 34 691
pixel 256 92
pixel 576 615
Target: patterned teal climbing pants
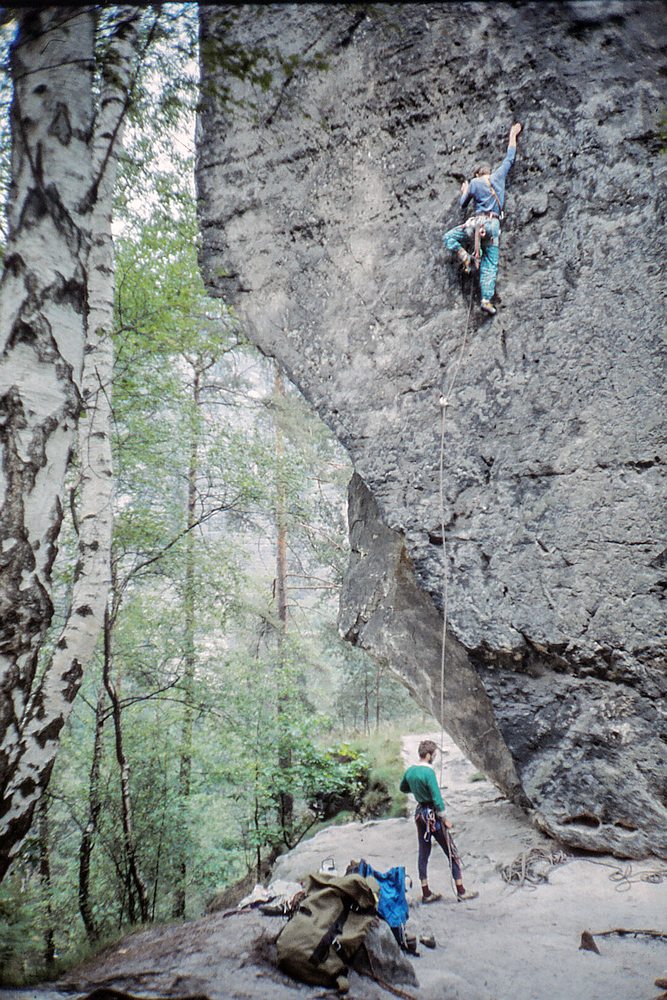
pixel 490 252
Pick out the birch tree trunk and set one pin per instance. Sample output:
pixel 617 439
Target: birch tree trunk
pixel 45 879
pixel 52 701
pixel 43 314
pixel 136 881
pixel 88 836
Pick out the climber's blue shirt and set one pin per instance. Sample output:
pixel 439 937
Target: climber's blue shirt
pixel 480 191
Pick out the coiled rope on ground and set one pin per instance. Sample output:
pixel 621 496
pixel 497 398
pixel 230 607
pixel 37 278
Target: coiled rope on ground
pixel 532 867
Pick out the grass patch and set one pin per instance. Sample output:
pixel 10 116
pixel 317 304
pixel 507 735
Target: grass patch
pixel 382 749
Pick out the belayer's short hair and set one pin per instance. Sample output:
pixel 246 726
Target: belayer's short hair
pixel 425 747
pixel 481 169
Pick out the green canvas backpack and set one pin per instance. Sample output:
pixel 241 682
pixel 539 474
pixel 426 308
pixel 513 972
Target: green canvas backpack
pixel 320 940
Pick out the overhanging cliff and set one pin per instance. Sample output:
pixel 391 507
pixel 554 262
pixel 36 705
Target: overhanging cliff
pixel 322 208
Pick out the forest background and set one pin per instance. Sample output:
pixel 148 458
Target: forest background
pixel 220 716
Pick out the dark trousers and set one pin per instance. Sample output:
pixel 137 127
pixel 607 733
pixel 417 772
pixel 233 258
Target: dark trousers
pixel 441 838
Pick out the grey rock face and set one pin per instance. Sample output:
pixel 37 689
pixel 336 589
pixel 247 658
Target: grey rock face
pixel 322 214
pixel 381 958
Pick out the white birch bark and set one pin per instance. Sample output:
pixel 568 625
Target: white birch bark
pixel 42 334
pixel 51 703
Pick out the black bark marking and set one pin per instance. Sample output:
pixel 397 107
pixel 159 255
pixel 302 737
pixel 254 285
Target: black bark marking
pixel 69 291
pixel 50 733
pixel 60 126
pixel 72 678
pixel 14 264
pixel 84 610
pixel 18 827
pixel 27 787
pixel 34 209
pixel 22 333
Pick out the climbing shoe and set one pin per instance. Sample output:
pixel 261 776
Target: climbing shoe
pixel 432 897
pixel 464 257
pixel 466 894
pixel 487 307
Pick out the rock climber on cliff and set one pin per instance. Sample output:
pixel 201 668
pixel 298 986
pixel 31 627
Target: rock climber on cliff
pixel 487 191
pixel 432 824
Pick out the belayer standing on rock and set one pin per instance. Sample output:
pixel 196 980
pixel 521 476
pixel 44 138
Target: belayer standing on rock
pixel 420 780
pixel 487 190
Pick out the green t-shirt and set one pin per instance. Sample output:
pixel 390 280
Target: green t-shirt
pixel 421 781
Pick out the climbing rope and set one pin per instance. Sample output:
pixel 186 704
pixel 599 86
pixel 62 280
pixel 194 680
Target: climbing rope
pixel 625 876
pixel 532 867
pixel 444 403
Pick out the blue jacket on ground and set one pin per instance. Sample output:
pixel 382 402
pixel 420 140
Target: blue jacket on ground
pixel 393 903
pixel 482 194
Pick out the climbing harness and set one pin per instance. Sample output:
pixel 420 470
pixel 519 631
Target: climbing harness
pixel 478 224
pixel 428 818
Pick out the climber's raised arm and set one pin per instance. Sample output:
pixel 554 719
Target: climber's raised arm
pixel 514 131
pixel 502 171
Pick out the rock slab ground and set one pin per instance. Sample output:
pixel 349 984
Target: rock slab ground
pixel 509 944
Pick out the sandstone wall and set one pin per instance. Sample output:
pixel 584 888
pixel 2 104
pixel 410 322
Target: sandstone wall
pixel 322 211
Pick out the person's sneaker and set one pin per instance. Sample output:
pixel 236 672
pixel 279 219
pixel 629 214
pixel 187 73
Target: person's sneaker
pixel 487 307
pixel 466 894
pixel 464 257
pixel 432 897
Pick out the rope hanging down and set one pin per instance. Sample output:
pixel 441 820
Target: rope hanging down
pixel 444 403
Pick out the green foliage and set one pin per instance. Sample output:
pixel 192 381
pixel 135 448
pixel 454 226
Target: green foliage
pixel 20 917
pixel 386 767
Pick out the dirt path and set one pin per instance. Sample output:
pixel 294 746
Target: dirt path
pixel 509 944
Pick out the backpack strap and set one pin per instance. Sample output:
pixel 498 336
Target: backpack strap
pixel 328 939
